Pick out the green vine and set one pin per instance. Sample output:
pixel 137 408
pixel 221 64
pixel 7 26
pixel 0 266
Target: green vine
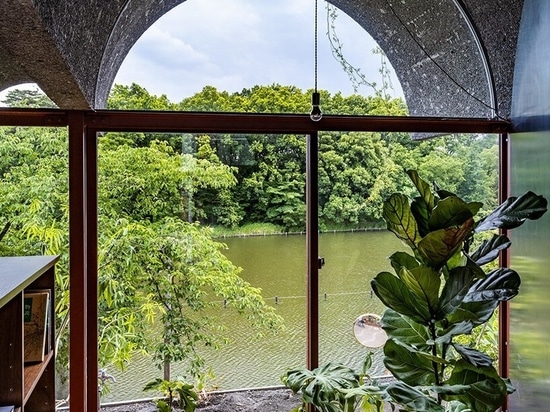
pixel 355 75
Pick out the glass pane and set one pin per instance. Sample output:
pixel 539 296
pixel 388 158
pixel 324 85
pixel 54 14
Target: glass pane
pixel 358 171
pixel 163 199
pixel 529 326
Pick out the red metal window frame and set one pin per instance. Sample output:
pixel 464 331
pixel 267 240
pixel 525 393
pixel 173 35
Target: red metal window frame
pixel 84 127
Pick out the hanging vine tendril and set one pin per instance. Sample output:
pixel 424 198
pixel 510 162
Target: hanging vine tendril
pixel 356 77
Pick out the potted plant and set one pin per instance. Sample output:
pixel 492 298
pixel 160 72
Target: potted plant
pixel 440 292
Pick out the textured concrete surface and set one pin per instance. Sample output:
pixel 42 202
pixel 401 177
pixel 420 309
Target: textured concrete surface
pixel 453 57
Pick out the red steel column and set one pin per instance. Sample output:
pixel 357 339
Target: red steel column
pixel 312 246
pixel 92 280
pixel 77 261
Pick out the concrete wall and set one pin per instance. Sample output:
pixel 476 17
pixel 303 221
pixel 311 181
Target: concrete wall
pixel 530 321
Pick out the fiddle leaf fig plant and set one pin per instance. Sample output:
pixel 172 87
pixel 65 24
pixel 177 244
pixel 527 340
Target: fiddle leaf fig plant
pixel 440 292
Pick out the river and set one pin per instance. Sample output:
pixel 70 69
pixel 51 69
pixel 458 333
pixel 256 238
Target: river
pixel 276 264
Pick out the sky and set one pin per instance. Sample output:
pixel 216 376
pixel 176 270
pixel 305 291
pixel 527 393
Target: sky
pixel 236 44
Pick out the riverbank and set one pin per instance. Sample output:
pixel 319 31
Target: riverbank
pixel 270 230
pixel 272 400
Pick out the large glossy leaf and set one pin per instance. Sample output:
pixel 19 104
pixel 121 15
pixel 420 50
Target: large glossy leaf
pixel 439 246
pixel 394 293
pixel 321 386
pixel 408 365
pixel 487 390
pixel 452 211
pixel 424 282
pixel 422 206
pixel 423 188
pixel 403 259
pixel 399 219
pixel 489 249
pixel 458 284
pixel 473 356
pixel 474 267
pixel 514 211
pixel 421 214
pixel 403 329
pixel 501 284
pixel 475 312
pixel 461 328
pixel 412 399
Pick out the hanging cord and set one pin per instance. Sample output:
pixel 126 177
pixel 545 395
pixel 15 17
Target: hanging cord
pixel 315 46
pixel 488 106
pixel 316 113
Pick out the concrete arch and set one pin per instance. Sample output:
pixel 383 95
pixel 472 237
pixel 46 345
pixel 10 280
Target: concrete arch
pixel 452 57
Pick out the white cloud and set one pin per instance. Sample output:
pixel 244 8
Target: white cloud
pixel 236 44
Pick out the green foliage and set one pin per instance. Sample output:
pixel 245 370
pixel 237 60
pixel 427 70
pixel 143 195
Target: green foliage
pixel 28 98
pixel 357 171
pixel 335 387
pixel 142 236
pixel 161 274
pixel 175 391
pixel 441 293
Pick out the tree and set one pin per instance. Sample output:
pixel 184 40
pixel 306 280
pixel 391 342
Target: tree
pixel 160 274
pixel 28 98
pixel 356 173
pixel 135 97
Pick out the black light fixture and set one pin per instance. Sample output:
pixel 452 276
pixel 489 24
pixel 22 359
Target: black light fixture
pixel 316 113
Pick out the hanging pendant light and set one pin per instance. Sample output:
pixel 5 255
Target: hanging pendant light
pixel 316 113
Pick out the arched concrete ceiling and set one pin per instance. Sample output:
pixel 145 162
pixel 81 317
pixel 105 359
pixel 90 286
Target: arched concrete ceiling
pixel 453 57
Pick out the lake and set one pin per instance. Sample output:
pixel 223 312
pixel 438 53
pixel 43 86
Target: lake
pixel 277 265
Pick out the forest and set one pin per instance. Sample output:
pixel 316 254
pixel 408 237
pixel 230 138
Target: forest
pixel 163 198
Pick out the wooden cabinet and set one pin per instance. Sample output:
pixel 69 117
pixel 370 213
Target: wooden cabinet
pixel 30 387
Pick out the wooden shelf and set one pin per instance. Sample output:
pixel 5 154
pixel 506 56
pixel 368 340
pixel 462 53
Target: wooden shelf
pixel 33 373
pixel 31 387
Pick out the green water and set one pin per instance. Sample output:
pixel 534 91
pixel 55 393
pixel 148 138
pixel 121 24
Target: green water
pixel 277 265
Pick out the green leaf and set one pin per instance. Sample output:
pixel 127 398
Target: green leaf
pixel 487 389
pixel 461 328
pixel 421 207
pixel 452 211
pixel 514 211
pixel 424 282
pixel 473 356
pixel 412 399
pixel 322 386
pixel 439 246
pixel 490 249
pixel 501 284
pixel 457 286
pixel 423 188
pixel 475 312
pixel 449 389
pixel 399 219
pixel 403 259
pixel 394 293
pixel 421 214
pixel 403 329
pixel 408 365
